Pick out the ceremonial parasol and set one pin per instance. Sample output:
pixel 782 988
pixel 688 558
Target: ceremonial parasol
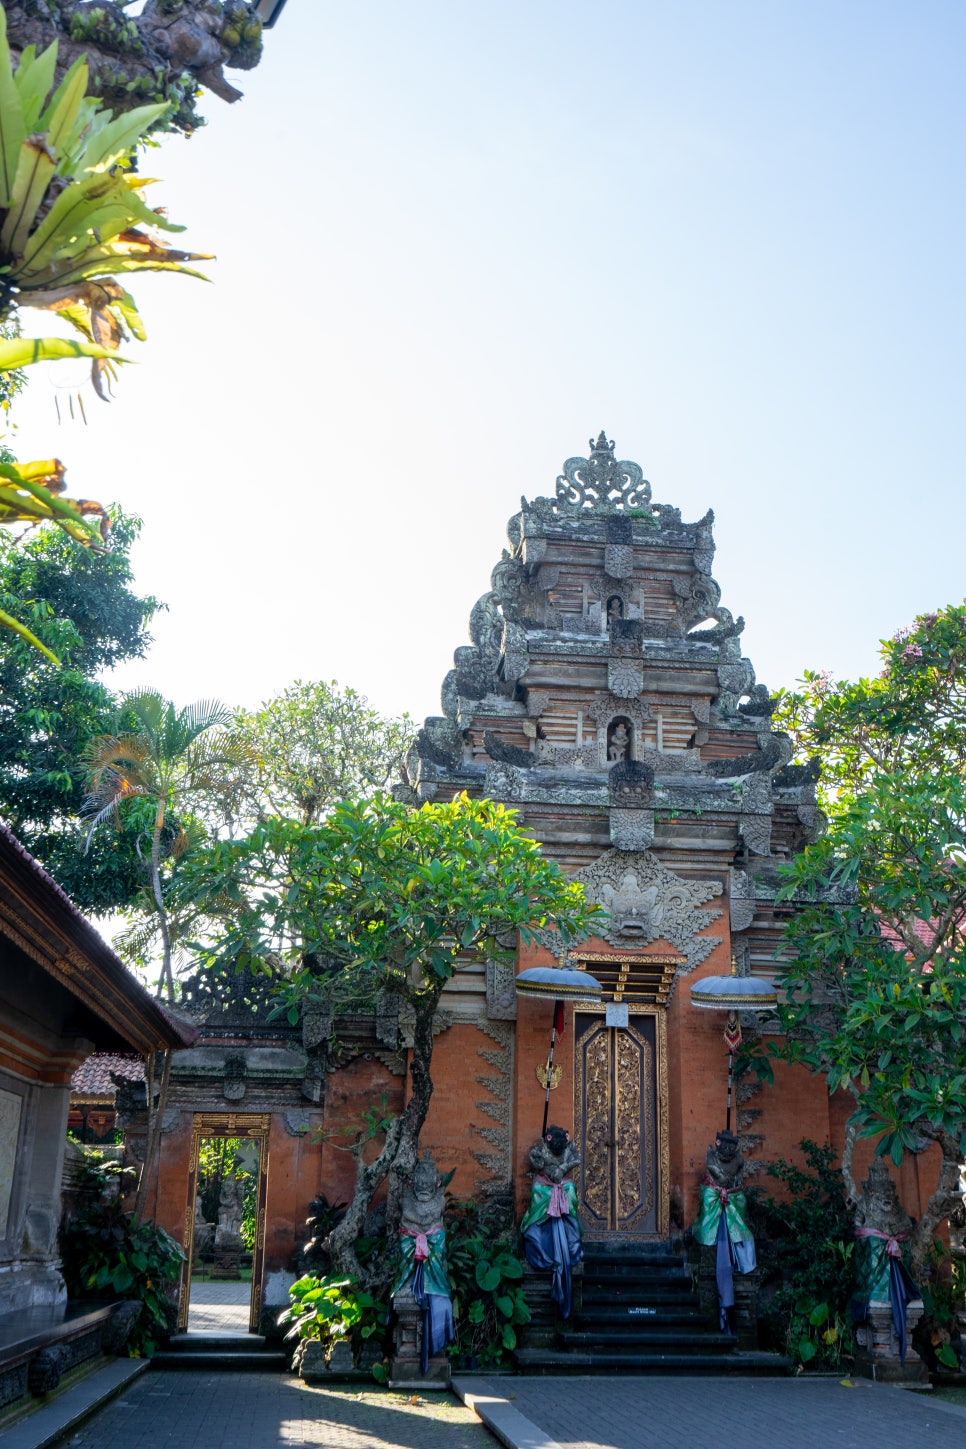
pixel 732 994
pixel 557 984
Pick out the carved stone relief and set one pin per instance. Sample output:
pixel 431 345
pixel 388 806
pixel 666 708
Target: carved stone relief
pixel 501 996
pixel 502 782
pixel 742 901
pixel 619 560
pixel 631 829
pixel 648 902
pixel 496 1162
pixel 625 677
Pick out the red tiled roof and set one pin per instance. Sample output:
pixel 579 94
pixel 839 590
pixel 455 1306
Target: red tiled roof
pixel 93 1077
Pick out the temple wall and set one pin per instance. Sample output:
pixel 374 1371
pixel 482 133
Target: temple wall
pixel 351 1091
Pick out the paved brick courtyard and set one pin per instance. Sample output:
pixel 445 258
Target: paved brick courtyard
pixel 202 1410
pixel 198 1410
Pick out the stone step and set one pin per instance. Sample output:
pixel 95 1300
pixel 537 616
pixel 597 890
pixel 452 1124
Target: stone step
pixel 216 1342
pixel 659 1275
pixel 265 1361
pixel 632 1295
pixel 658 1252
pixel 647 1341
pixel 640 1315
pixel 551 1361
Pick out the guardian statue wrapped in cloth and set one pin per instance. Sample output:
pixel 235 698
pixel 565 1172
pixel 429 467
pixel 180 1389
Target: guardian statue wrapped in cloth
pixel 722 1222
pixel 423 1271
pixel 552 1236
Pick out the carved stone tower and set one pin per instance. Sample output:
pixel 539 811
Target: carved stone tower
pixel 604 695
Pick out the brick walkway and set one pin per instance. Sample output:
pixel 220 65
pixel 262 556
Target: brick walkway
pixel 680 1413
pixel 219 1307
pixel 196 1410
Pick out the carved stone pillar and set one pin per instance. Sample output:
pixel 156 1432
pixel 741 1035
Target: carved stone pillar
pixel 878 1348
pixel 405 1370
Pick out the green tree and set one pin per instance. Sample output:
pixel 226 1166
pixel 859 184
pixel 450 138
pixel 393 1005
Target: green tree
pixel 382 898
pixel 158 772
pixel 312 746
pixel 83 607
pixel 877 977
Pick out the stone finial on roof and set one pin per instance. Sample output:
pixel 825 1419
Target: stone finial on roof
pixel 602 481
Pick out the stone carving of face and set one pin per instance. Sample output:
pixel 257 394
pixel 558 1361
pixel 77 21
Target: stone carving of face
pixel 556 1139
pixel 726 1145
pixel 425 1180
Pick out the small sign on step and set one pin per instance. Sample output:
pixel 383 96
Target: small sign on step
pixel 641 1312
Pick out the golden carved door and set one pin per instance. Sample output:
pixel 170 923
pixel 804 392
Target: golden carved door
pixel 619 1120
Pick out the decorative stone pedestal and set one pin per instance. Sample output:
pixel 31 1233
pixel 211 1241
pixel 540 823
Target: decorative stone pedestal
pixel 878 1348
pixel 746 1297
pixel 405 1370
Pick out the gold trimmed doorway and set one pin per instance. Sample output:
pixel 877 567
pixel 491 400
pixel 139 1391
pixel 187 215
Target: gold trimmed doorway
pixel 252 1128
pixel 621 1096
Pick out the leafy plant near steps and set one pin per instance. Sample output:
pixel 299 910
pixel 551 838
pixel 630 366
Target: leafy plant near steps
pixel 333 1309
pixel 489 1303
pixel 109 1255
pixel 810 1314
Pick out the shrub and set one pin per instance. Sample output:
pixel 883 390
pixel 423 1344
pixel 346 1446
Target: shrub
pixel 810 1313
pixel 332 1309
pixel 489 1303
pixel 108 1254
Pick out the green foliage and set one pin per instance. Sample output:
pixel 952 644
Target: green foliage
pixel 944 1293
pixel 82 606
pixel 109 1255
pixel 171 760
pixel 913 714
pixel 72 213
pixel 384 894
pixel 489 1303
pixel 312 746
pixel 331 1309
pixel 813 1227
pixel 876 984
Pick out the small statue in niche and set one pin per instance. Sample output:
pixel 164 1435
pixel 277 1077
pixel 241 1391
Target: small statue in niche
pixel 722 1222
pixel 618 742
pixel 231 1204
pixel 203 1232
pixel 882 1229
pixel 552 1235
pixel 423 1267
pixel 615 608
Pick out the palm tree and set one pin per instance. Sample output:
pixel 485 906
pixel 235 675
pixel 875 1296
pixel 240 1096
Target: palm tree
pixel 173 758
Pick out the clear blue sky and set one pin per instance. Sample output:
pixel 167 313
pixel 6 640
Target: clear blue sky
pixel 455 240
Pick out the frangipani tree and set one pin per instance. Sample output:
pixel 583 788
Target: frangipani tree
pixel 877 981
pixel 383 898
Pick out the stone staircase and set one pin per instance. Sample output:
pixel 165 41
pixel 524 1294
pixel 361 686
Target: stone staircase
pixel 240 1352
pixel 635 1312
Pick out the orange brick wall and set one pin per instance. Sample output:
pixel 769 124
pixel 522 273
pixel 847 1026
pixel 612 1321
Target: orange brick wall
pixel 351 1092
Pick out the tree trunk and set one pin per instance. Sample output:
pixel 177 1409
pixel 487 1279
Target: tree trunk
pixel 946 1197
pixel 155 1122
pixel 396 1160
pixel 167 976
pixel 848 1152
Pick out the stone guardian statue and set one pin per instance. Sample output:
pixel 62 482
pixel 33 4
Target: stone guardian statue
pixel 552 1235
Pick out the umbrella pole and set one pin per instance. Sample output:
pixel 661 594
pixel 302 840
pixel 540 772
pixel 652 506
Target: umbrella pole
pixel 731 1076
pixel 553 1039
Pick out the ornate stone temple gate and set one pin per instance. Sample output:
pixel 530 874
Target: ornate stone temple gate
pixel 605 697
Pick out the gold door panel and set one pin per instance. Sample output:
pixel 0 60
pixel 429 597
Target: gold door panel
pixel 622 1176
